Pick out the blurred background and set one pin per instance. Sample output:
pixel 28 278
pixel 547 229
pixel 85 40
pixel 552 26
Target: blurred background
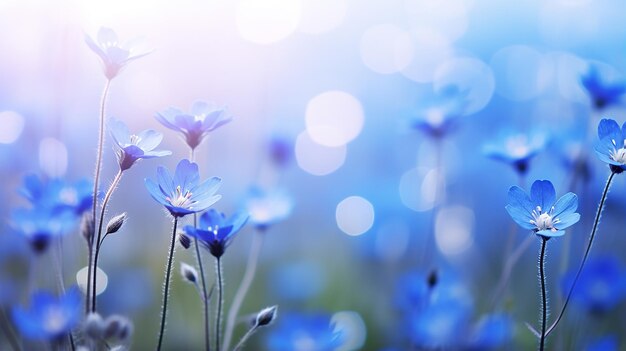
pixel 375 120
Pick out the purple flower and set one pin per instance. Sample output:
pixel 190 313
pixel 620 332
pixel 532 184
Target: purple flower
pixel 204 118
pixel 57 195
pixel 516 149
pixel 114 55
pixel 183 194
pixel 40 225
pixel 215 231
pixel 602 93
pixel 133 147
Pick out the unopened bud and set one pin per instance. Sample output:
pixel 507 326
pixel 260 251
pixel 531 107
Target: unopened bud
pixel 118 327
pixel 266 316
pixel 189 273
pixel 116 223
pixel 94 326
pixel 184 240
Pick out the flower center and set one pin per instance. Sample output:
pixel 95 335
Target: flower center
pixel 55 320
pixel 180 199
pixel 544 220
pixel 619 155
pixel 134 139
pixel 518 146
pixel 214 230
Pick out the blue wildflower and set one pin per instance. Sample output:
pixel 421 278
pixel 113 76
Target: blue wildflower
pixel 491 333
pixel 183 194
pixel 204 118
pixel 607 343
pixel 310 332
pixel 215 231
pixel 516 149
pixel 267 207
pixel 442 114
pixel 40 226
pixel 601 286
pixel 57 195
pixel 133 147
pixel 48 317
pixel 114 56
pixel 602 93
pixel 611 144
pixel 541 212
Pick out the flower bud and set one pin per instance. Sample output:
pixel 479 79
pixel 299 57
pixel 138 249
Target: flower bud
pixel 116 223
pixel 118 327
pixel 94 326
pixel 189 273
pixel 184 240
pixel 266 316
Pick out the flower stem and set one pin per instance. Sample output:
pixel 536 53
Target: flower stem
pixel 253 259
pixel 586 255
pixel 245 338
pixel 544 298
pixel 166 289
pixel 220 302
pixel 109 192
pixel 205 303
pixel 94 203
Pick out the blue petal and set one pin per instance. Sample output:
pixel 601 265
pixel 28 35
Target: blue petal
pixel 119 132
pixel 167 118
pixel 542 194
pixel 603 148
pixel 206 189
pixel 155 192
pixel 149 139
pixel 550 233
pixel 165 181
pixel 200 108
pixel 519 198
pixel 211 218
pixel 568 203
pixel 107 36
pixel 186 175
pixel 608 127
pixel 520 216
pixel 567 220
pixel 238 220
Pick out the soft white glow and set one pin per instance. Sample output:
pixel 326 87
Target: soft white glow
pixel 469 75
pixel 454 230
pixel 521 72
pixel 101 283
pixel 386 48
pixel 418 188
pixel 430 49
pixel 53 157
pixel 354 215
pixel 320 16
pixel 392 240
pixel 446 16
pixel 267 21
pixel 334 118
pixel 318 159
pixel 12 126
pixel 352 329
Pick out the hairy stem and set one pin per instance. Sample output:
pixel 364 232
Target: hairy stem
pixel 94 204
pixel 544 297
pixel 253 259
pixel 109 192
pixel 220 302
pixel 245 338
pixel 586 255
pixel 166 289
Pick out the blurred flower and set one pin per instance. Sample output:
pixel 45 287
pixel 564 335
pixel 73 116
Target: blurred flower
pixel 516 149
pixel 607 343
pixel 611 144
pixel 114 55
pixel 57 195
pixel 48 317
pixel 40 226
pixel 215 231
pixel 267 207
pixel 540 212
pixel 280 150
pixel 491 333
pixel 601 287
pixel 441 324
pixel 441 114
pixel 182 194
pixel 302 332
pixel 204 117
pixel 602 93
pixel 133 147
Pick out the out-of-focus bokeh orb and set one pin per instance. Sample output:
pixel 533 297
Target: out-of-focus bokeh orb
pixel 354 215
pixel 12 126
pixel 318 159
pixel 267 21
pixel 334 118
pixel 386 48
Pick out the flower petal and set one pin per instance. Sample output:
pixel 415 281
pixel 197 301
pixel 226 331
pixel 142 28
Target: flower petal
pixel 520 216
pixel 567 220
pixel 119 132
pixel 568 203
pixel 542 194
pixel 107 37
pixel 211 218
pixel 155 191
pixel 149 139
pixel 551 233
pixel 608 127
pixel 165 182
pixel 186 175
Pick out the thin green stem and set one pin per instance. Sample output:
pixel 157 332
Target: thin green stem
pixel 544 297
pixel 166 289
pixel 220 302
pixel 245 338
pixel 592 235
pixel 248 276
pixel 94 204
pixel 109 192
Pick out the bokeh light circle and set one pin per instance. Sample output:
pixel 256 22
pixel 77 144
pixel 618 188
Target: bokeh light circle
pixel 319 16
pixel 470 75
pixel 418 188
pixel 334 118
pixel 53 157
pixel 12 126
pixel 352 329
pixel 101 282
pixel 354 215
pixel 454 230
pixel 386 48
pixel 447 16
pixel 267 21
pixel 522 73
pixel 430 49
pixel 318 159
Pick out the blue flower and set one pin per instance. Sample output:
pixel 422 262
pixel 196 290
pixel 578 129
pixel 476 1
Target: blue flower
pixel 516 149
pixel 541 212
pixel 602 93
pixel 216 232
pixel 183 194
pixel 48 317
pixel 57 195
pixel 443 112
pixel 491 333
pixel 313 332
pixel 114 55
pixel 133 147
pixel 267 207
pixel 204 118
pixel 601 286
pixel 611 144
pixel 41 225
pixel 607 343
